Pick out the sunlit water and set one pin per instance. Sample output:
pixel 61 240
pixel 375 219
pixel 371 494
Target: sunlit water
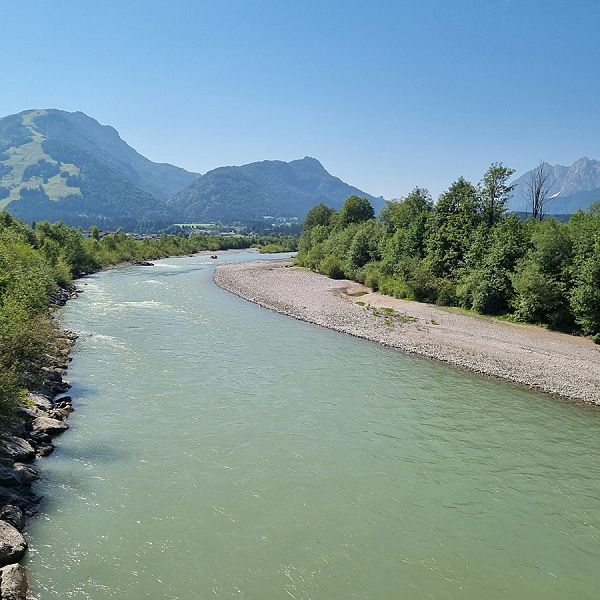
pixel 220 450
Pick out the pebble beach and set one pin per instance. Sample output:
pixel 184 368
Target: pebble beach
pixel 556 363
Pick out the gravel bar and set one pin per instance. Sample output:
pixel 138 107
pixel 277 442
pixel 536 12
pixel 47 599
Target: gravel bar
pixel 556 363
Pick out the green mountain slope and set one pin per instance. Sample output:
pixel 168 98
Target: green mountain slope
pixel 268 188
pixel 59 165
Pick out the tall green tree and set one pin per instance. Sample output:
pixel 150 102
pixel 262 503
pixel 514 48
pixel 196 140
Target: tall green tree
pixel 355 210
pixel 542 279
pixel 495 191
pixel 318 215
pixel 585 297
pixel 486 286
pixel 401 214
pixel 451 227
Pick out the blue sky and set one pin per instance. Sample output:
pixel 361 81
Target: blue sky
pixel 388 95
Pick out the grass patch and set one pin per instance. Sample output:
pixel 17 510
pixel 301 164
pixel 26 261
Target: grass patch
pixel 390 315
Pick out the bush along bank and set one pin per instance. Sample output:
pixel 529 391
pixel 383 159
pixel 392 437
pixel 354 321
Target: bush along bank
pixel 37 268
pixel 28 436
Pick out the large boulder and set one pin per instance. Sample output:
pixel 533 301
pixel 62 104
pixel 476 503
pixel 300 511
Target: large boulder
pixel 16 448
pixel 23 497
pixel 45 449
pixel 13 583
pixel 60 413
pixel 12 544
pixel 40 402
pixel 53 375
pixel 25 473
pixel 39 437
pixel 28 414
pixel 13 515
pixel 48 425
pixel 17 475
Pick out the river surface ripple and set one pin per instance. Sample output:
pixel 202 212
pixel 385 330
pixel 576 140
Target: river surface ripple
pixel 220 450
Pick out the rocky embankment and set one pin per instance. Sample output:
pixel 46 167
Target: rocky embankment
pixel 28 438
pixel 556 363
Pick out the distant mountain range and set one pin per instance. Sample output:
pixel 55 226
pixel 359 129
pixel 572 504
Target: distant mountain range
pixel 570 188
pixel 58 165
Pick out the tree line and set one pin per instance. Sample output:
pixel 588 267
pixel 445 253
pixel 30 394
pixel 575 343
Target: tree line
pixel 465 250
pixel 36 261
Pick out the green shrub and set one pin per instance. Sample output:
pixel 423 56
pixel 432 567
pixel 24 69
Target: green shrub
pixel 314 257
pixel 585 297
pixel 273 249
pixel 62 272
pixel 372 276
pixel 332 267
pixel 540 298
pixel 446 292
pixel 393 287
pixel 486 290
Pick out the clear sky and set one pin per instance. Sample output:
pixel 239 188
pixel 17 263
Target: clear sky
pixel 388 95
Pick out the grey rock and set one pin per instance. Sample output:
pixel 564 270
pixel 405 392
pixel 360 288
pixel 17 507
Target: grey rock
pixel 12 544
pixel 39 437
pixel 13 515
pixel 17 476
pixel 49 425
pixel 45 449
pixel 16 448
pixel 26 473
pixel 28 413
pixel 24 498
pixel 60 388
pixel 40 402
pixel 13 585
pixel 60 413
pixel 53 375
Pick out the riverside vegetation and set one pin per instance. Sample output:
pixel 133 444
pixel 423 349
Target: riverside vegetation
pixel 37 262
pixel 465 251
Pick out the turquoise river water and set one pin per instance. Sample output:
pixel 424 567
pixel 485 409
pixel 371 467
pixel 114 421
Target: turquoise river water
pixel 220 450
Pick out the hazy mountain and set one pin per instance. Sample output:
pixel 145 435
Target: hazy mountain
pixel 60 165
pixel 574 187
pixel 268 188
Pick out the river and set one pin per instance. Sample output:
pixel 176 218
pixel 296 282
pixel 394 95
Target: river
pixel 220 450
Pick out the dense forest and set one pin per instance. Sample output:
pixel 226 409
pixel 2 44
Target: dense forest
pixel 36 262
pixel 466 251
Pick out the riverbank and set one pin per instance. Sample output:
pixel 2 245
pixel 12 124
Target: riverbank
pixel 547 361
pixel 27 437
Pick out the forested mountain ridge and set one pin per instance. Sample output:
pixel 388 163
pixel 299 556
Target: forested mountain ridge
pixel 60 165
pixel 267 188
pixel 569 188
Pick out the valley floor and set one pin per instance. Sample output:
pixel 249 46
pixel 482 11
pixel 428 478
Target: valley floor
pixel 552 362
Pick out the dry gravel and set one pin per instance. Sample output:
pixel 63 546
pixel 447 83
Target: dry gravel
pixel 552 362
